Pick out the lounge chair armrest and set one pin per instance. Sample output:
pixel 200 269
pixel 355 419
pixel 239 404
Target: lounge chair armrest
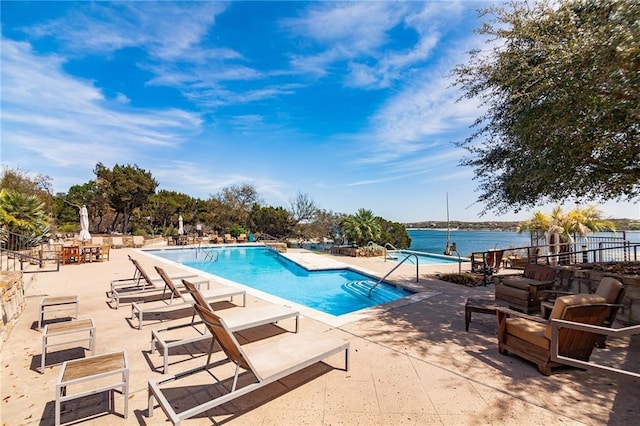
pixel 506 312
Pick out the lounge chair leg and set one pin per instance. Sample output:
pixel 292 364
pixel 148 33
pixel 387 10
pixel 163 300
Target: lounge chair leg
pixel 235 378
pixel 213 342
pixel 150 402
pixel 346 359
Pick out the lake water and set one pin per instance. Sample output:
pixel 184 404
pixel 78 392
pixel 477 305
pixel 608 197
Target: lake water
pixel 434 241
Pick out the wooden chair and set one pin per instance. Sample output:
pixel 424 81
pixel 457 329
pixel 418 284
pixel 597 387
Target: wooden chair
pixel 70 254
pixel 104 252
pixel 242 238
pixel 530 337
pixel 525 292
pixel 609 288
pixel 229 239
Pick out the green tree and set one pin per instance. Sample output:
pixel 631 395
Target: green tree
pixel 127 188
pixel 275 221
pixel 91 195
pixel 22 214
pixel 327 224
pixel 235 203
pixel 37 184
pixel 560 85
pixel 362 227
pixel 165 207
pixel 394 233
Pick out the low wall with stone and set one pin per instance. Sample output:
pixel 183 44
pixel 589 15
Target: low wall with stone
pixel 587 280
pixel 13 301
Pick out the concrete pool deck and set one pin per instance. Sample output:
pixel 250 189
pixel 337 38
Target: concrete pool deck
pixel 410 363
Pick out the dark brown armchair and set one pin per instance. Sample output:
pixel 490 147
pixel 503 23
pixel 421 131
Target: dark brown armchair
pixel 529 337
pixel 524 292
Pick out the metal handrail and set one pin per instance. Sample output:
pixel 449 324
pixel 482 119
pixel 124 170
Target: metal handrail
pixel 390 245
pixel 394 268
pixel 22 258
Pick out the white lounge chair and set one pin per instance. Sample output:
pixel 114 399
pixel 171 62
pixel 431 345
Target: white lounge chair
pixel 236 319
pixel 137 241
pixel 143 286
pixel 183 300
pixel 265 361
pixel 117 242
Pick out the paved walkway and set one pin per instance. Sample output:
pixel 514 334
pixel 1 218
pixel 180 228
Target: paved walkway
pixel 411 363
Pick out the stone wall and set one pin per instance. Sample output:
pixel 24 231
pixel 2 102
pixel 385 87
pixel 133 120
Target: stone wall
pixel 13 301
pixel 587 280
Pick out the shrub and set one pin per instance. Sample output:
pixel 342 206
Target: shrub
pixel 465 279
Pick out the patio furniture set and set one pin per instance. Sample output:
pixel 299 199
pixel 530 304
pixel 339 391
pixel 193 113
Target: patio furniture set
pixel 546 338
pixel 151 298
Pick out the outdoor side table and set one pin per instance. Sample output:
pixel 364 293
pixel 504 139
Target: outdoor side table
pixel 61 332
pixel 94 369
pixel 480 305
pixel 59 303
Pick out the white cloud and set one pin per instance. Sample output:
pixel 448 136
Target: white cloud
pixel 65 120
pixel 167 30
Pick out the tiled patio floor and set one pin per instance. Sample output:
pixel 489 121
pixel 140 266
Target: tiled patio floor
pixel 411 364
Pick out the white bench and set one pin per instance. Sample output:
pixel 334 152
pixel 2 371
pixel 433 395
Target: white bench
pixel 95 368
pixel 58 303
pixel 65 329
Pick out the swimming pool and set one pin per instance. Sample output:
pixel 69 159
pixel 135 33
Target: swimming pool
pixel 424 258
pixel 335 291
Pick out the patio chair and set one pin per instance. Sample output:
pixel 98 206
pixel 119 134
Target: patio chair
pixel 242 238
pixel 141 285
pixel 609 288
pixel 183 300
pixel 229 239
pixel 104 252
pixel 70 254
pixel 137 241
pixel 524 292
pixel 117 242
pixel 264 361
pixel 529 337
pixel 236 319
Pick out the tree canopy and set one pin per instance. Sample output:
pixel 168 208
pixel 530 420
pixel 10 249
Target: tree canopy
pixel 126 187
pixel 560 84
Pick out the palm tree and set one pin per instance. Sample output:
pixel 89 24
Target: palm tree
pixel 22 214
pixel 362 227
pixel 560 227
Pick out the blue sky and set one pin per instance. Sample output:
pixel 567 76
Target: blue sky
pixel 350 103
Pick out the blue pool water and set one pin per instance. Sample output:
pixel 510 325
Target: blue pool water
pixel 335 292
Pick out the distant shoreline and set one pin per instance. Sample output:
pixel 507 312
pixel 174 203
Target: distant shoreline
pixel 620 225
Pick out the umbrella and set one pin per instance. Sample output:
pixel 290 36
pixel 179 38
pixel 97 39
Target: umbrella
pixel 180 226
pixel 84 225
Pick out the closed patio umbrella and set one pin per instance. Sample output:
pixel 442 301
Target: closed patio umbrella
pixel 84 224
pixel 180 226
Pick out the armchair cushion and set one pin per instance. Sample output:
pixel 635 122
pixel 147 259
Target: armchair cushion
pixel 611 289
pixel 529 331
pixel 518 282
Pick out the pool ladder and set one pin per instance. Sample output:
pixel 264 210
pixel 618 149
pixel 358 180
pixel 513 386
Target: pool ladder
pixel 396 267
pixel 209 255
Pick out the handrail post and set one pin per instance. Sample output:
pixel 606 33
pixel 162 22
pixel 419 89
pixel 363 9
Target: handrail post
pixel 396 267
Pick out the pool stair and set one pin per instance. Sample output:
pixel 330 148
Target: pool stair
pixel 365 288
